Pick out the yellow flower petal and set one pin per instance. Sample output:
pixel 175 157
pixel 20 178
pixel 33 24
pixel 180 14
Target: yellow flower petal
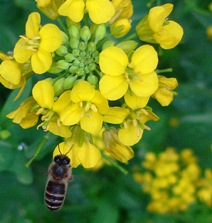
pixel 100 11
pixel 63 101
pixel 41 61
pixel 116 115
pixel 51 37
pixel 157 16
pixel 135 102
pixel 170 35
pixel 144 59
pixel 82 91
pixel 100 102
pixel 91 123
pixel 131 135
pixel 113 61
pixel 59 130
pixel 21 53
pixel 113 88
pixel 10 71
pixel 89 155
pixel 33 25
pixel 43 93
pixel 147 86
pixel 71 115
pixel 74 9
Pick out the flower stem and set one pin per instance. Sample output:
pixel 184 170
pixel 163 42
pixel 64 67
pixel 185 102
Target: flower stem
pixel 115 164
pixel 37 151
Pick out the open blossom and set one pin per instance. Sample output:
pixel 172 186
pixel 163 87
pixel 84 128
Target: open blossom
pixel 38 44
pixel 100 11
pixel 43 94
pixel 155 28
pixel 87 107
pixel 137 74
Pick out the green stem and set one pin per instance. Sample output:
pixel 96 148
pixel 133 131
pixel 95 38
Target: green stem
pixel 37 151
pixel 59 20
pixel 115 164
pixel 130 37
pixel 167 70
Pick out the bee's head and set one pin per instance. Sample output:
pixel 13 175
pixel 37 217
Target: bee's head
pixel 61 160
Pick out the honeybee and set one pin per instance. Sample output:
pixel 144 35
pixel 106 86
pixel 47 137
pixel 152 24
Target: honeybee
pixel 59 174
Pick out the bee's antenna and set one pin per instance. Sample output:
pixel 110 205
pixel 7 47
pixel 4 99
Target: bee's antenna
pixel 59 148
pixel 69 150
pixel 65 153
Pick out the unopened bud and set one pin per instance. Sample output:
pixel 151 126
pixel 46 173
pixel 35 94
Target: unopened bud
pixel 107 44
pixel 74 31
pixel 69 57
pixel 92 79
pixel 85 33
pixel 61 51
pixel 120 28
pixel 74 43
pixel 100 32
pixel 69 82
pixel 62 64
pixel 58 87
pixel 128 45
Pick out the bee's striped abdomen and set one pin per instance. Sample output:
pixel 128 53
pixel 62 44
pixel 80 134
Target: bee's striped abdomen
pixel 54 195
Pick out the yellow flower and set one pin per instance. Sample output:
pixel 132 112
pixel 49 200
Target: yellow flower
pixel 154 28
pixel 124 9
pixel 164 93
pixel 138 74
pixel 100 11
pixel 38 44
pixel 43 93
pixel 87 108
pixel 115 148
pixel 49 7
pixel 133 126
pixel 84 153
pixel 24 115
pixel 10 71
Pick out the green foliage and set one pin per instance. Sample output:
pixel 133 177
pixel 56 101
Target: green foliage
pixel 108 196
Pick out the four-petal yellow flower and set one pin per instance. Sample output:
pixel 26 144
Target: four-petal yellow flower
pixel 38 44
pixel 120 74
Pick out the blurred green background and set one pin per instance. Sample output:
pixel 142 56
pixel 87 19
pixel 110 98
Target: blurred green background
pixel 107 195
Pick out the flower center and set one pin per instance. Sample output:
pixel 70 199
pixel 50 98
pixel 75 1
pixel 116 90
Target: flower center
pixel 31 44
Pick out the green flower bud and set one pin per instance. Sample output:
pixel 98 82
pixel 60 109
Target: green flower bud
pixel 100 32
pixel 62 64
pixel 69 82
pixel 73 69
pixel 69 57
pixel 128 45
pixel 85 33
pixel 65 38
pixel 76 52
pixel 76 63
pixel 92 79
pixel 82 46
pixel 107 44
pixel 61 51
pixel 58 87
pixel 74 31
pixel 91 47
pixel 54 69
pixel 74 43
pixel 80 72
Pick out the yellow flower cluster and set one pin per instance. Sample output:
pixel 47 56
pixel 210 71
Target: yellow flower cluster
pixel 92 87
pixel 174 181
